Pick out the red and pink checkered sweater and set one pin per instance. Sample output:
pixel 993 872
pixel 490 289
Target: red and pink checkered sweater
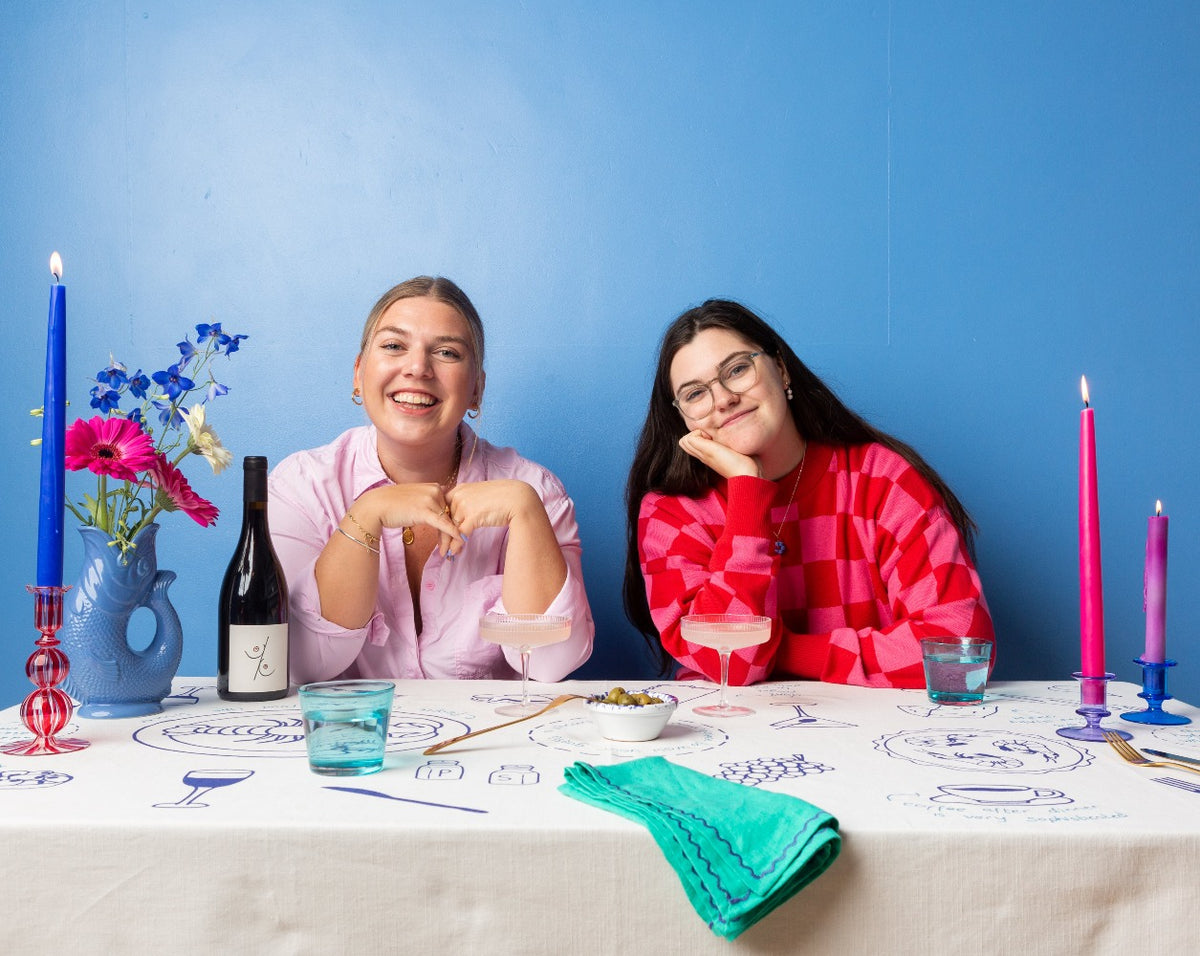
pixel 873 563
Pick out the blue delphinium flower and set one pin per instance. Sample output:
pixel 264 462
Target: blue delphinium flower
pixel 215 390
pixel 174 382
pixel 104 397
pixel 168 413
pixel 187 351
pixel 139 383
pixel 233 343
pixel 211 331
pixel 113 375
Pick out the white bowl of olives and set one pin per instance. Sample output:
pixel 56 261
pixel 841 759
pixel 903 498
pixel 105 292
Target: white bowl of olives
pixel 628 716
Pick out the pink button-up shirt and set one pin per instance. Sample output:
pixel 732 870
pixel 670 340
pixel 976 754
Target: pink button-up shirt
pixel 310 493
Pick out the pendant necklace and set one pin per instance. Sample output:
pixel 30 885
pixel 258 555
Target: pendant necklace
pixel 406 534
pixel 780 547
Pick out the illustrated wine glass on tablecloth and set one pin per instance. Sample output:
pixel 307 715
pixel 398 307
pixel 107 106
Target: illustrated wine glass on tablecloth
pixel 524 632
pixel 202 781
pixel 725 633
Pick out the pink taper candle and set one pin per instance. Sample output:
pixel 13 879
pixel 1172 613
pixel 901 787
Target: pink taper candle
pixel 1155 587
pixel 1091 594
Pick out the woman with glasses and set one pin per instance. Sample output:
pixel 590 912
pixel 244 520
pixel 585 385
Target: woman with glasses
pixel 396 537
pixel 755 490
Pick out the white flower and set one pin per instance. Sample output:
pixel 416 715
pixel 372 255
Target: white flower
pixel 204 441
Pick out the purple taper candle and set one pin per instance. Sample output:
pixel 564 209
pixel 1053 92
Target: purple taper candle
pixel 1155 585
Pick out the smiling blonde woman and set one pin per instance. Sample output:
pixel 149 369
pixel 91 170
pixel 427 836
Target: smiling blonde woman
pixel 400 534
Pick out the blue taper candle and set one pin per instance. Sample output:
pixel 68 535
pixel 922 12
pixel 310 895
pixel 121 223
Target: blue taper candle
pixel 54 415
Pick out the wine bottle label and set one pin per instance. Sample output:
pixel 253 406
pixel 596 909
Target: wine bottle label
pixel 258 658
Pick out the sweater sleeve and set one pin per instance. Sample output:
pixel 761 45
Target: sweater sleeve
pixel 700 558
pixel 915 579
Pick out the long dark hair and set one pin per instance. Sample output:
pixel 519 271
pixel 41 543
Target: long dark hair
pixel 660 465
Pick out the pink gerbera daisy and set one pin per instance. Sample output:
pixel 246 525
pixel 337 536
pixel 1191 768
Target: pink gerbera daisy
pixel 174 487
pixel 109 446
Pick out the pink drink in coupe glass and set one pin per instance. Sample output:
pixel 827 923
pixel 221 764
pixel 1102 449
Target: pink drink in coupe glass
pixel 524 632
pixel 725 633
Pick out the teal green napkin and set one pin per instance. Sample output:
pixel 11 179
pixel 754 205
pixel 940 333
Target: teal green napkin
pixel 739 851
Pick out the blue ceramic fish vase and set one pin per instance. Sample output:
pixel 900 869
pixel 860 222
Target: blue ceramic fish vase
pixel 107 676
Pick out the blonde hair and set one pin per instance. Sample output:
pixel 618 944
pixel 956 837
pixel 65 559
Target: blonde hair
pixel 431 287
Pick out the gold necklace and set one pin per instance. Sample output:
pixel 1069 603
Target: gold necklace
pixel 406 534
pixel 780 547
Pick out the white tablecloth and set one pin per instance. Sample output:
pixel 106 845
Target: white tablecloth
pixel 967 830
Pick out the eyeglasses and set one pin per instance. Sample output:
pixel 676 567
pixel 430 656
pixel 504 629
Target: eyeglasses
pixel 739 373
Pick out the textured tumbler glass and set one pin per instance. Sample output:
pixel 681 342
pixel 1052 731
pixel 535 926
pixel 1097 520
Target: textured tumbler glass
pixel 956 668
pixel 346 725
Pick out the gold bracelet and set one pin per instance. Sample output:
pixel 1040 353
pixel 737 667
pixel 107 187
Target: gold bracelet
pixel 361 544
pixel 371 538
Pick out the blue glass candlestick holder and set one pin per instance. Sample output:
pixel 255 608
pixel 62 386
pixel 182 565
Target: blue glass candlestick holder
pixel 1154 692
pixel 1093 708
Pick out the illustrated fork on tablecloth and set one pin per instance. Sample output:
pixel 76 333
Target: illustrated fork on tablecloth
pixel 1129 754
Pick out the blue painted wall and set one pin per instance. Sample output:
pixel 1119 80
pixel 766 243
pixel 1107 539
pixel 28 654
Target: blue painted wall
pixel 953 210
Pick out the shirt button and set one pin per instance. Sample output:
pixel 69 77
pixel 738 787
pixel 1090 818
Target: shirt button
pixel 428 585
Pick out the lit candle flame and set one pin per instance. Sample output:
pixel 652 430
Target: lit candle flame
pixel 56 266
pixel 1158 509
pixel 1084 389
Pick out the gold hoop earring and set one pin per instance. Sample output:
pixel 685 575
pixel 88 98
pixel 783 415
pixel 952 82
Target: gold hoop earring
pixel 356 397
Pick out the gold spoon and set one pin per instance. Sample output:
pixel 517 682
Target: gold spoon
pixel 560 699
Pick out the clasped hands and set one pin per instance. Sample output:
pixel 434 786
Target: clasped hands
pixel 454 513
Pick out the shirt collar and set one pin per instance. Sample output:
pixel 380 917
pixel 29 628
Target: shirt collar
pixel 368 473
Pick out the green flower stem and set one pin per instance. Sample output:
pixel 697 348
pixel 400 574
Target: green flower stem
pixel 102 505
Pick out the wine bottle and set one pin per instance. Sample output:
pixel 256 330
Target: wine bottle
pixel 252 612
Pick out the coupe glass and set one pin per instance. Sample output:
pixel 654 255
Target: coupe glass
pixel 725 633
pixel 524 632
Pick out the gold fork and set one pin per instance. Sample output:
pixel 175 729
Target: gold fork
pixel 1129 754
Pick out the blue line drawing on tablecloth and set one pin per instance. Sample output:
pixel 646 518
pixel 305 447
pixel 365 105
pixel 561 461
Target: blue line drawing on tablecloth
pixel 935 711
pixel 513 697
pixel 11 733
pixel 187 694
pixel 203 781
pixel 1178 737
pixel 684 693
pixel 1000 795
pixel 803 719
pixel 439 769
pixel 32 779
pixel 514 775
pixel 1063 695
pixel 362 791
pixel 991 751
pixel 579 736
pixel 276 732
pixel 769 769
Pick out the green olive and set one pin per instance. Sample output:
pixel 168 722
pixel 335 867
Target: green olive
pixel 619 695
